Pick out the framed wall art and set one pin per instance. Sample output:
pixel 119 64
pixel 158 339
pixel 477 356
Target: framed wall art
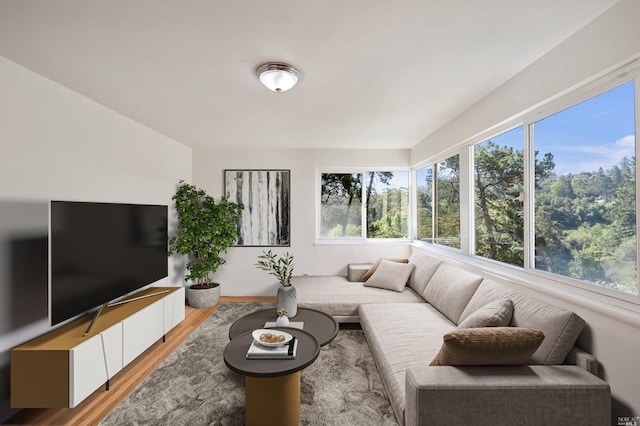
pixel 265 195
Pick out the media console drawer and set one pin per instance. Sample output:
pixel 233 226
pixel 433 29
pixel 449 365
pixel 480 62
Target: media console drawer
pixel 61 368
pixel 141 330
pixel 94 362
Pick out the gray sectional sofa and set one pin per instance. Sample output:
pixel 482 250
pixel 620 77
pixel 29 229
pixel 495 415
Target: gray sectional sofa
pixel 405 329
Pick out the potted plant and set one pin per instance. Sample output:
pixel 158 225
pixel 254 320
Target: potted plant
pixel 205 230
pixel 281 267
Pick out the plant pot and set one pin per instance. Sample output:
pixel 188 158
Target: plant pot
pixel 203 295
pixel 287 299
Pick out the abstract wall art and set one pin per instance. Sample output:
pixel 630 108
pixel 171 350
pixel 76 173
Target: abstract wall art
pixel 265 195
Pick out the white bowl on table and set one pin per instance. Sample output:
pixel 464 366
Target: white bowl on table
pixel 257 333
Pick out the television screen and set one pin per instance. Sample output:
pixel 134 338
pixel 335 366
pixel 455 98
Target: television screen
pixel 101 251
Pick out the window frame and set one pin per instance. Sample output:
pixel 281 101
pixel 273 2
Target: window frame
pixel 472 198
pixel 434 213
pixel 526 119
pixel 363 237
pixel 414 196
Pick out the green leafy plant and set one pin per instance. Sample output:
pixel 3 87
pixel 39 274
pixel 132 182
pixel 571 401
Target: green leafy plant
pixel 205 230
pixel 279 267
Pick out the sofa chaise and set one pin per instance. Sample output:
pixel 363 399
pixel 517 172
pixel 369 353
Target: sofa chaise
pixel 405 327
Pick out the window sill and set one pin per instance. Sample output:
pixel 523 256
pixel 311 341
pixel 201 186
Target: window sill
pixel 361 241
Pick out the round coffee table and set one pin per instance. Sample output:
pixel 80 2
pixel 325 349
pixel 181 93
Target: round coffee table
pixel 322 326
pixel 272 386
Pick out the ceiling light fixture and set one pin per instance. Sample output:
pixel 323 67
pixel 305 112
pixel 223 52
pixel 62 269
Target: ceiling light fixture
pixel 278 76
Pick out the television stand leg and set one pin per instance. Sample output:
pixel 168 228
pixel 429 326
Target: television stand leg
pixel 107 385
pixel 93 321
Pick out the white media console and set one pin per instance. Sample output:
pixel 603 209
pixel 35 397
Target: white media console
pixel 63 367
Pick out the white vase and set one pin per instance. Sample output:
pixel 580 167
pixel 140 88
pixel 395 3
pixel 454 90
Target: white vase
pixel 287 299
pixel 282 321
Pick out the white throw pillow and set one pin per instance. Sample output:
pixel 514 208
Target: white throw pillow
pixel 390 276
pixel 379 260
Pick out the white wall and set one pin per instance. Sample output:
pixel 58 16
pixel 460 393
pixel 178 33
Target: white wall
pixel 607 42
pixel 56 144
pixel 239 277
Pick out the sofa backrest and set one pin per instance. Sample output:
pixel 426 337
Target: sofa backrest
pixel 560 326
pixel 450 289
pixel 424 268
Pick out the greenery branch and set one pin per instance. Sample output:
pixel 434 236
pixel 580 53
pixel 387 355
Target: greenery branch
pixel 279 267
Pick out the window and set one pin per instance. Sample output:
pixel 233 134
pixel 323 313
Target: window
pixel 439 221
pixel 555 194
pixel 499 184
pixel 447 202
pixel 385 210
pixel 387 195
pixel 341 205
pixel 424 200
pixel 585 205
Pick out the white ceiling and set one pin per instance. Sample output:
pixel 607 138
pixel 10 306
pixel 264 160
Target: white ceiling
pixel 375 73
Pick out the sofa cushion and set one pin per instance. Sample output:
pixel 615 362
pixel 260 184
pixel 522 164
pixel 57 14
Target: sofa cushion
pixel 390 276
pixel 401 336
pixel 424 268
pixel 377 264
pixel 488 346
pixel 560 326
pixel 450 289
pixel 336 296
pixel 494 314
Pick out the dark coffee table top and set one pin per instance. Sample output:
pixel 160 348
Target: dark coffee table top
pixel 320 325
pixel 236 351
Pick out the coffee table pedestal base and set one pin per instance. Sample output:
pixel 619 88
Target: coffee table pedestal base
pixel 273 400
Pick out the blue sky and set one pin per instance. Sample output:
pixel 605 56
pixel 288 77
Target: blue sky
pixel 598 132
pixel 399 180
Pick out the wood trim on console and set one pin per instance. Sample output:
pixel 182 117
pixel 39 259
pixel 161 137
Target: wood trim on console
pixel 93 409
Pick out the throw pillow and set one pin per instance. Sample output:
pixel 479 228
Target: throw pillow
pixel 376 264
pixel 390 276
pixel 488 346
pixel 494 314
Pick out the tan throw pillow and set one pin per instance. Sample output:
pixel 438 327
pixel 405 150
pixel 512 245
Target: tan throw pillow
pixel 494 314
pixel 376 264
pixel 488 346
pixel 390 276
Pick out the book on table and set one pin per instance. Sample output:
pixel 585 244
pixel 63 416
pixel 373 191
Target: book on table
pixel 286 351
pixel 292 324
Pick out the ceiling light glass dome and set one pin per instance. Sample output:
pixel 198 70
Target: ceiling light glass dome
pixel 278 76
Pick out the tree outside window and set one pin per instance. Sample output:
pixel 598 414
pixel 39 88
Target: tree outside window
pixel 438 202
pixel 585 205
pixel 341 205
pixel 447 202
pixel 424 201
pixel 385 194
pixel 499 185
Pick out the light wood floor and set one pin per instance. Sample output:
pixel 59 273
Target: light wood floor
pixel 101 402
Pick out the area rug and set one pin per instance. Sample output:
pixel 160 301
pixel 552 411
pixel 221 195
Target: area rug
pixel 193 386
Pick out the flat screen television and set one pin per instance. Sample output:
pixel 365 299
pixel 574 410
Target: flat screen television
pixel 101 251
